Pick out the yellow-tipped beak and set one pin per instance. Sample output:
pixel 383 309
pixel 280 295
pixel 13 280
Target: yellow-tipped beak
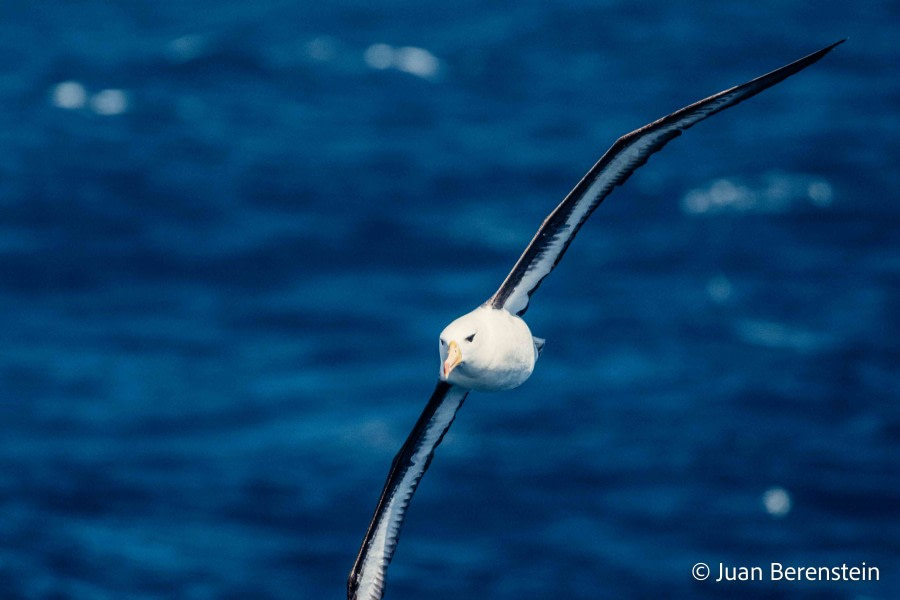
pixel 454 357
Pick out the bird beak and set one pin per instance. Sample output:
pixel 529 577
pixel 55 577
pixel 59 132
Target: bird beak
pixel 454 357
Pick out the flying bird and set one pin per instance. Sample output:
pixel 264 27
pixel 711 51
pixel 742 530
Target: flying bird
pixel 492 348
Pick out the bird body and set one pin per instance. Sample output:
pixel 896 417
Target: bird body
pixel 488 349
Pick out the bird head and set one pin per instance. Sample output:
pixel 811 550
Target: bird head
pixel 459 348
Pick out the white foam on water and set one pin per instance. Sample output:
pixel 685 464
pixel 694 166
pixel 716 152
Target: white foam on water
pixel 777 501
pixel 772 193
pixel 69 95
pixel 109 102
pixel 408 59
pixel 379 56
pixel 416 61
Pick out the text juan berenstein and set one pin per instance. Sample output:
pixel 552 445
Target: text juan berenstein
pixel 780 572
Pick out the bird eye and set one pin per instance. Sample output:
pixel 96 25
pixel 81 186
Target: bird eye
pixel 470 338
pixel 443 342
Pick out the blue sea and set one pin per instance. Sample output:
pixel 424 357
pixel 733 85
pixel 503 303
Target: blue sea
pixel 230 233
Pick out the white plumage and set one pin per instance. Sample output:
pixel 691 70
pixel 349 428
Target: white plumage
pixel 496 350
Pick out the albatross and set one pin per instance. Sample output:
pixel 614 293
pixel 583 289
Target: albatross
pixel 492 348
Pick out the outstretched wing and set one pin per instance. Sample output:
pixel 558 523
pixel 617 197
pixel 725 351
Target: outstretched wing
pixel 366 581
pixel 620 161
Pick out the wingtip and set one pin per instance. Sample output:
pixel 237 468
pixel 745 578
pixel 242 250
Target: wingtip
pixel 820 53
pixel 798 65
pixel 815 56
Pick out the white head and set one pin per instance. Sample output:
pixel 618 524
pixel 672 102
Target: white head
pixel 461 346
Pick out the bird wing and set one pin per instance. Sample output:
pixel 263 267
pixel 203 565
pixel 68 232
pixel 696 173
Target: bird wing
pixel 620 161
pixel 366 580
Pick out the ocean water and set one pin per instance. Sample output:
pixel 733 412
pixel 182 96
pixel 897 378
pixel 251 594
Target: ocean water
pixel 230 233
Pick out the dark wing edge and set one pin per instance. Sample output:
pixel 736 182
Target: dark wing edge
pixel 623 158
pixel 367 577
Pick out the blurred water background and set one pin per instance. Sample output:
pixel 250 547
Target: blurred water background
pixel 230 233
